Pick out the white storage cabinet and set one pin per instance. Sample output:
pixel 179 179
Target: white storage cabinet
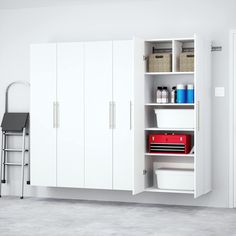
pixel 81 128
pixel 193 119
pixel 93 107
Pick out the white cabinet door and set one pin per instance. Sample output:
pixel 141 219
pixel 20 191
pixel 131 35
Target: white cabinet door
pixel 70 131
pixel 98 132
pixel 43 131
pixel 122 97
pixel 139 144
pixel 202 161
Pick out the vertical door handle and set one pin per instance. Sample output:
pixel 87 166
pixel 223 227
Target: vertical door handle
pixel 54 114
pixel 130 115
pixel 198 115
pixel 57 115
pixel 113 115
pixel 110 115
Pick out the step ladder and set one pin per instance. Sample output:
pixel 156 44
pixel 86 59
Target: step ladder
pixel 14 124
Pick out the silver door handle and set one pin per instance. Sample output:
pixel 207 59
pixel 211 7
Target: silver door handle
pixel 110 115
pixel 57 114
pixel 54 114
pixel 130 115
pixel 113 115
pixel 198 115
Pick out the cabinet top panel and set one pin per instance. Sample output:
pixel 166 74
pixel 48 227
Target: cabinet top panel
pixel 170 39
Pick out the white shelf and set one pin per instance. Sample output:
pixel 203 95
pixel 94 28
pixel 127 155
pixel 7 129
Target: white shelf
pixel 168 155
pixel 156 190
pixel 169 73
pixel 169 129
pixel 169 39
pixel 170 104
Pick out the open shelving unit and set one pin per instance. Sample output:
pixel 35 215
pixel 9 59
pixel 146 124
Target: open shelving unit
pixel 154 161
pixel 145 123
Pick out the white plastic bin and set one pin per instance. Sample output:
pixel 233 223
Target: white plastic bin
pixel 175 179
pixel 175 118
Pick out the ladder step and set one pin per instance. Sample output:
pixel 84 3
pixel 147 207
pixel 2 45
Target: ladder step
pixel 14 134
pixel 14 150
pixel 14 164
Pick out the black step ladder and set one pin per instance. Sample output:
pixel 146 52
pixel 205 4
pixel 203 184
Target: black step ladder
pixel 14 124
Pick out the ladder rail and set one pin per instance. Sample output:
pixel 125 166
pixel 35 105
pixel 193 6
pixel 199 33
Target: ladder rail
pixel 1 166
pixel 22 165
pixel 5 155
pixel 7 91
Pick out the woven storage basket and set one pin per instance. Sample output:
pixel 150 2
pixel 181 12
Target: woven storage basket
pixel 160 62
pixel 186 61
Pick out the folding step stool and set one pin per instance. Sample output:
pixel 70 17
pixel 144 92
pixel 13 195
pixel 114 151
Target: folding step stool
pixel 14 124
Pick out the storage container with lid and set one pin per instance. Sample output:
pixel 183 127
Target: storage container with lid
pixel 181 93
pixel 190 93
pixel 175 179
pixel 175 118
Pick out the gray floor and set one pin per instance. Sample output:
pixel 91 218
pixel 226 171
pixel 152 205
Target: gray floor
pixel 36 216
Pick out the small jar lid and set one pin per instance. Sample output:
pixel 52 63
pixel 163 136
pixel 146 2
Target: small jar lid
pixel 181 86
pixel 190 86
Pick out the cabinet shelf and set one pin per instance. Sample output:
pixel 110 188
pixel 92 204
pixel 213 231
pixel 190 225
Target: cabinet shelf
pixel 170 104
pixel 156 190
pixel 168 129
pixel 168 155
pixel 170 73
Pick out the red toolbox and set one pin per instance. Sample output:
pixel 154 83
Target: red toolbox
pixel 169 143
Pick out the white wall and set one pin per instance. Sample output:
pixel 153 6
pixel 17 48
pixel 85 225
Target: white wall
pixel 98 20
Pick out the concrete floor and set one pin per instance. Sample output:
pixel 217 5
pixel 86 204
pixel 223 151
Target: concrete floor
pixel 37 216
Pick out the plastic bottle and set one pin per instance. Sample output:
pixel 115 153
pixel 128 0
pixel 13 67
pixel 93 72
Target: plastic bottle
pixel 173 95
pixel 165 95
pixel 190 93
pixel 181 93
pixel 159 95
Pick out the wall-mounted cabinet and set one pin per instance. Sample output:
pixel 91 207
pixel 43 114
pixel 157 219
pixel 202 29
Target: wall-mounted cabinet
pixel 81 115
pixel 94 110
pixel 168 155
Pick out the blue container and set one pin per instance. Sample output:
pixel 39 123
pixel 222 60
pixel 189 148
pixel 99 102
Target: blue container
pixel 181 93
pixel 190 93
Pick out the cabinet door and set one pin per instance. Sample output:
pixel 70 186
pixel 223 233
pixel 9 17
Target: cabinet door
pixel 70 109
pixel 202 161
pixel 139 144
pixel 98 118
pixel 122 97
pixel 42 111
